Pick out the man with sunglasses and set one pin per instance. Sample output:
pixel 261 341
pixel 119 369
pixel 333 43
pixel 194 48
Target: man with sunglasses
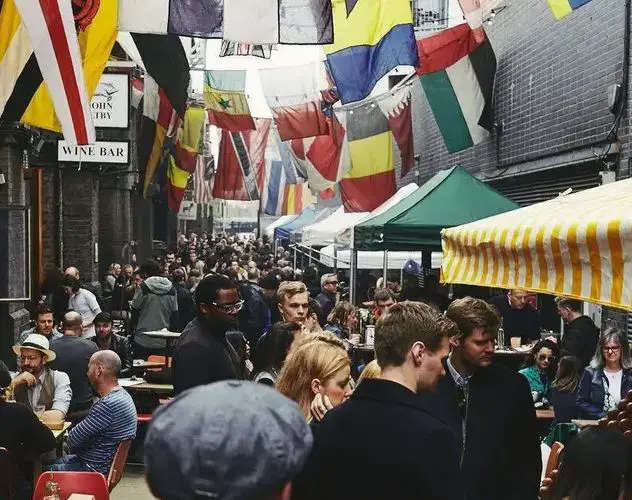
pixel 203 354
pixel 489 408
pixel 519 318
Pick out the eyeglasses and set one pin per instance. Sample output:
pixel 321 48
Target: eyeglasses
pixel 229 308
pixel 615 348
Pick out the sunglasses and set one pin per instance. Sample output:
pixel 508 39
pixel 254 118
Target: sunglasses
pixel 229 308
pixel 543 357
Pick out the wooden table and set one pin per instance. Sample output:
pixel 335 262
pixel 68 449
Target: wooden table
pixel 170 338
pixel 584 424
pixel 142 364
pixel 59 433
pixel 545 414
pixel 149 387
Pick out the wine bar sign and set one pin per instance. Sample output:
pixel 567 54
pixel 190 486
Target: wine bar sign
pixel 110 102
pixel 99 152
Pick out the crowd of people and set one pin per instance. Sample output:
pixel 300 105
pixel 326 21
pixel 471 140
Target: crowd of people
pixel 273 398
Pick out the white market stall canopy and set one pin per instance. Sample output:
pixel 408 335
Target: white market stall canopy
pixel 374 260
pixel 343 237
pixel 323 232
pixel 577 245
pixel 284 219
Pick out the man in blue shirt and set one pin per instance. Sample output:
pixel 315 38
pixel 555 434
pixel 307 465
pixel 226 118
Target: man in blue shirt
pixel 112 419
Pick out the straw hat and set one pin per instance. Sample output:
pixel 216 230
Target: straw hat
pixel 37 342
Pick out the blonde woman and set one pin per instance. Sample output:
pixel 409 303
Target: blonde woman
pixel 372 370
pixel 316 365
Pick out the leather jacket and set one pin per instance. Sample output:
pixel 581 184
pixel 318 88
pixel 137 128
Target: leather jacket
pixel 121 346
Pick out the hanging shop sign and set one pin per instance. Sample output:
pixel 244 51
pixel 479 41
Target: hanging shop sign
pixel 99 152
pixel 110 102
pixel 188 210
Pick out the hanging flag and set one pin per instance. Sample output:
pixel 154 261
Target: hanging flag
pixel 136 96
pixel 562 8
pixel 395 104
pixel 166 62
pixel 476 12
pixel 160 121
pixel 296 96
pixel 23 97
pixel 371 180
pixel 204 171
pixel 371 40
pixel 189 138
pixel 246 21
pixel 283 193
pixel 241 163
pixel 244 49
pixel 177 183
pixel 299 22
pixel 192 18
pixel 51 29
pixel 457 73
pixel 225 97
pixel 305 22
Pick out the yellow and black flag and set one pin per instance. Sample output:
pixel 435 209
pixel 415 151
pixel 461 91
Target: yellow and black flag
pixel 24 97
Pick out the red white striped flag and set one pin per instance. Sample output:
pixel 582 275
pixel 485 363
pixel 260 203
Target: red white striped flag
pixel 202 189
pixel 51 28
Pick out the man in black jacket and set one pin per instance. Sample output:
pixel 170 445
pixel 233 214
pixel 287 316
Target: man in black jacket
pixel 580 334
pixel 327 298
pixel 519 318
pixel 382 435
pixel 186 305
pixel 255 317
pixel 106 340
pixel 490 410
pixel 202 354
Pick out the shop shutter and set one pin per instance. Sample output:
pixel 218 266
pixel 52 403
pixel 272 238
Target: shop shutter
pixel 536 187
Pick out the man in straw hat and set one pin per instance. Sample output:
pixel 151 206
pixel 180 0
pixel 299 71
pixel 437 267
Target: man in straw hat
pixel 37 385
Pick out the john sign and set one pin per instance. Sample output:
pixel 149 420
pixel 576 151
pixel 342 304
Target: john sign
pixel 110 102
pixel 99 152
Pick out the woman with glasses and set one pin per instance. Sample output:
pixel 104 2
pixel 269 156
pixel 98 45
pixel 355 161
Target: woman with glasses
pixel 608 379
pixel 540 368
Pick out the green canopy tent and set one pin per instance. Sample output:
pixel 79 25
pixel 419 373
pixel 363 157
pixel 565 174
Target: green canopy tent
pixel 451 198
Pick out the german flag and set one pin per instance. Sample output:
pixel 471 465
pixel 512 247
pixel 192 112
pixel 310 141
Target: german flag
pixel 23 95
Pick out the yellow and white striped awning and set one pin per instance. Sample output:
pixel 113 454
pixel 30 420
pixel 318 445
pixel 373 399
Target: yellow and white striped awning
pixel 579 245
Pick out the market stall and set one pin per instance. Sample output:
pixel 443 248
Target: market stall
pixel 573 245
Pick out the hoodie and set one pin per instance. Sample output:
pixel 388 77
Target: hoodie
pixel 157 304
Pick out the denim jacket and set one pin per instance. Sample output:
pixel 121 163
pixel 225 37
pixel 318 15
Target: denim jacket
pixel 592 391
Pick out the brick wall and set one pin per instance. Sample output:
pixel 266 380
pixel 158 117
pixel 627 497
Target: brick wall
pixel 49 223
pixel 551 87
pixel 80 210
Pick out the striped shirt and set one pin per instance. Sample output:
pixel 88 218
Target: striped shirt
pixel 112 419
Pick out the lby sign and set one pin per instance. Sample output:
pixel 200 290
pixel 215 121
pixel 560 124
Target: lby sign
pixel 110 102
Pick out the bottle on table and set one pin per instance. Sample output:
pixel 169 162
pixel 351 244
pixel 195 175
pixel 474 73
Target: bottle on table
pixel 500 338
pixel 51 490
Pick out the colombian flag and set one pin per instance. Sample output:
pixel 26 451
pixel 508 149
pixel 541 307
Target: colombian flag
pixel 371 37
pixel 371 180
pixel 562 8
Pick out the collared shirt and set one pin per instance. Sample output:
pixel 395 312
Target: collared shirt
pixel 85 303
pixel 62 395
pixel 464 382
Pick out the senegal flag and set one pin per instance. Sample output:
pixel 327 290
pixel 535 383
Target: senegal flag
pixel 225 97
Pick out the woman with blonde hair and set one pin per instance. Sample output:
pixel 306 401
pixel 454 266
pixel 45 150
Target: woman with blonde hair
pixel 316 364
pixel 342 319
pixel 371 370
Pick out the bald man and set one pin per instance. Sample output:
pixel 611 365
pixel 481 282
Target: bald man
pixel 112 419
pixel 73 354
pixel 72 271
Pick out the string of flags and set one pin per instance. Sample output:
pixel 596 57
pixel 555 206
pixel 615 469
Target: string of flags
pixel 328 133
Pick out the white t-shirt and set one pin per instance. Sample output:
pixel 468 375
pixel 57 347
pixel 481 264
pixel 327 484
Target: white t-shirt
pixel 613 394
pixel 85 303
